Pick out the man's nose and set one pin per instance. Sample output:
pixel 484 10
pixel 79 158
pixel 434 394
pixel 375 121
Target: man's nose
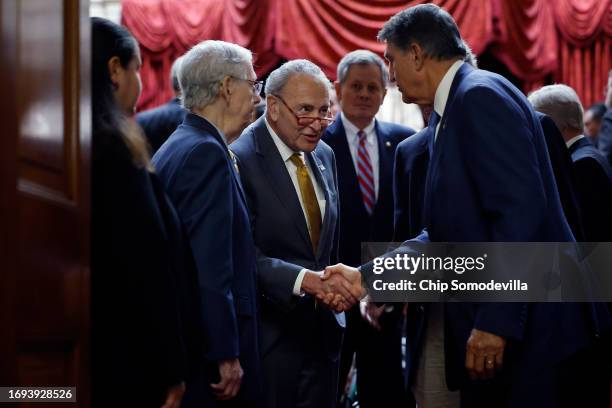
pixel 316 125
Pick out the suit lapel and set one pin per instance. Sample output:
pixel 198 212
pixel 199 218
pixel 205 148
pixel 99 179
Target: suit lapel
pixel 276 172
pixel 346 166
pixel 318 169
pixel 436 143
pixel 237 180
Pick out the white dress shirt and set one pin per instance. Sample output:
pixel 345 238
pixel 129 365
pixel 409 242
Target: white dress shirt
pixel 286 152
pixel 573 140
pixel 371 146
pixel 443 90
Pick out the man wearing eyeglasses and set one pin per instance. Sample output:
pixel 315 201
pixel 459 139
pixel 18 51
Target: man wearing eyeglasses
pixel 198 172
pixel 290 180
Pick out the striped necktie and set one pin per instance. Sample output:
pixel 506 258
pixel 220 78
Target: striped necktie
pixel 365 175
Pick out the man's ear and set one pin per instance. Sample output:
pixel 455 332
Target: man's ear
pixel 225 91
pixel 114 71
pixel 383 96
pixel 416 55
pixel 272 108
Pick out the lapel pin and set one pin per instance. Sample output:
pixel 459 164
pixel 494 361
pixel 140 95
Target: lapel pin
pixel 321 167
pixel 388 144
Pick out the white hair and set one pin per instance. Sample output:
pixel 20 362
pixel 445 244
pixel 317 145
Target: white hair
pixel 280 76
pixel 362 57
pixel 174 75
pixel 562 104
pixel 205 65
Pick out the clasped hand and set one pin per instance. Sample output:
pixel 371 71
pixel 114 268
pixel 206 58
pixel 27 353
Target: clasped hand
pixel 338 287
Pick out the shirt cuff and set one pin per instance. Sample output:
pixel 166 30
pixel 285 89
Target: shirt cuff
pixel 297 286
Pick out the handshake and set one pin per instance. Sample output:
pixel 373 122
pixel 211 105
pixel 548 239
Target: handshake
pixel 337 287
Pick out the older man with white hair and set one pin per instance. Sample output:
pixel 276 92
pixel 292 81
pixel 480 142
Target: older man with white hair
pixel 592 171
pixel 220 90
pixel 593 178
pixel 290 181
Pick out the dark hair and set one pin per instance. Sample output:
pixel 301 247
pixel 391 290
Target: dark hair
pixel 112 40
pixel 599 110
pixel 427 25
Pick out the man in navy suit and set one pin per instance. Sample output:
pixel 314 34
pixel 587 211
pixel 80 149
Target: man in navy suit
pixel 593 178
pixel 201 179
pixel 489 180
pixel 291 186
pixel 159 123
pixel 591 169
pixel 360 88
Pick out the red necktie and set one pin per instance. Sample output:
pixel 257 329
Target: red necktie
pixel 365 175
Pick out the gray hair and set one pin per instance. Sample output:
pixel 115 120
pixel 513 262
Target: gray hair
pixel 174 75
pixel 205 65
pixel 362 57
pixel 561 103
pixel 470 57
pixel 280 76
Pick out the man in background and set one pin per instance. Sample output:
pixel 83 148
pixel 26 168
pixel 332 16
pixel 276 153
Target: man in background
pixel 592 121
pixel 159 123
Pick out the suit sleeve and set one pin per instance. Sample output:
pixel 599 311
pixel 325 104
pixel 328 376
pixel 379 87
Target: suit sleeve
pixel 276 279
pixel 499 151
pixel 206 208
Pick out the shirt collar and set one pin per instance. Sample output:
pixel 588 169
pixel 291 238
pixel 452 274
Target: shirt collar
pixel 444 87
pixel 351 130
pixel 573 140
pixel 285 151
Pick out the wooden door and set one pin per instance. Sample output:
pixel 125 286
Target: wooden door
pixel 44 195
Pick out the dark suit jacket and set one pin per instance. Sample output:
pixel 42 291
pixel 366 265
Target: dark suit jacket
pixel 604 138
pixel 137 338
pixel 593 183
pixel 159 123
pixel 561 163
pixel 199 176
pixel 355 224
pixel 284 248
pixel 490 179
pixel 411 162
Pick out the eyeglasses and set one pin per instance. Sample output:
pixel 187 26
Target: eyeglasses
pixel 307 120
pixel 257 85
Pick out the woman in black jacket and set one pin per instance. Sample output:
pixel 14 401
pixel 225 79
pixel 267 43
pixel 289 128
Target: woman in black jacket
pixel 139 278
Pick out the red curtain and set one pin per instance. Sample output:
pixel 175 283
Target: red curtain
pixel 566 40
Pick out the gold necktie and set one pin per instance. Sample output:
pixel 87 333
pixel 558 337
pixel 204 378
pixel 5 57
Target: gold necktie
pixel 313 212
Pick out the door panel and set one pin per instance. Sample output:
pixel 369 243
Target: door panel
pixel 44 214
